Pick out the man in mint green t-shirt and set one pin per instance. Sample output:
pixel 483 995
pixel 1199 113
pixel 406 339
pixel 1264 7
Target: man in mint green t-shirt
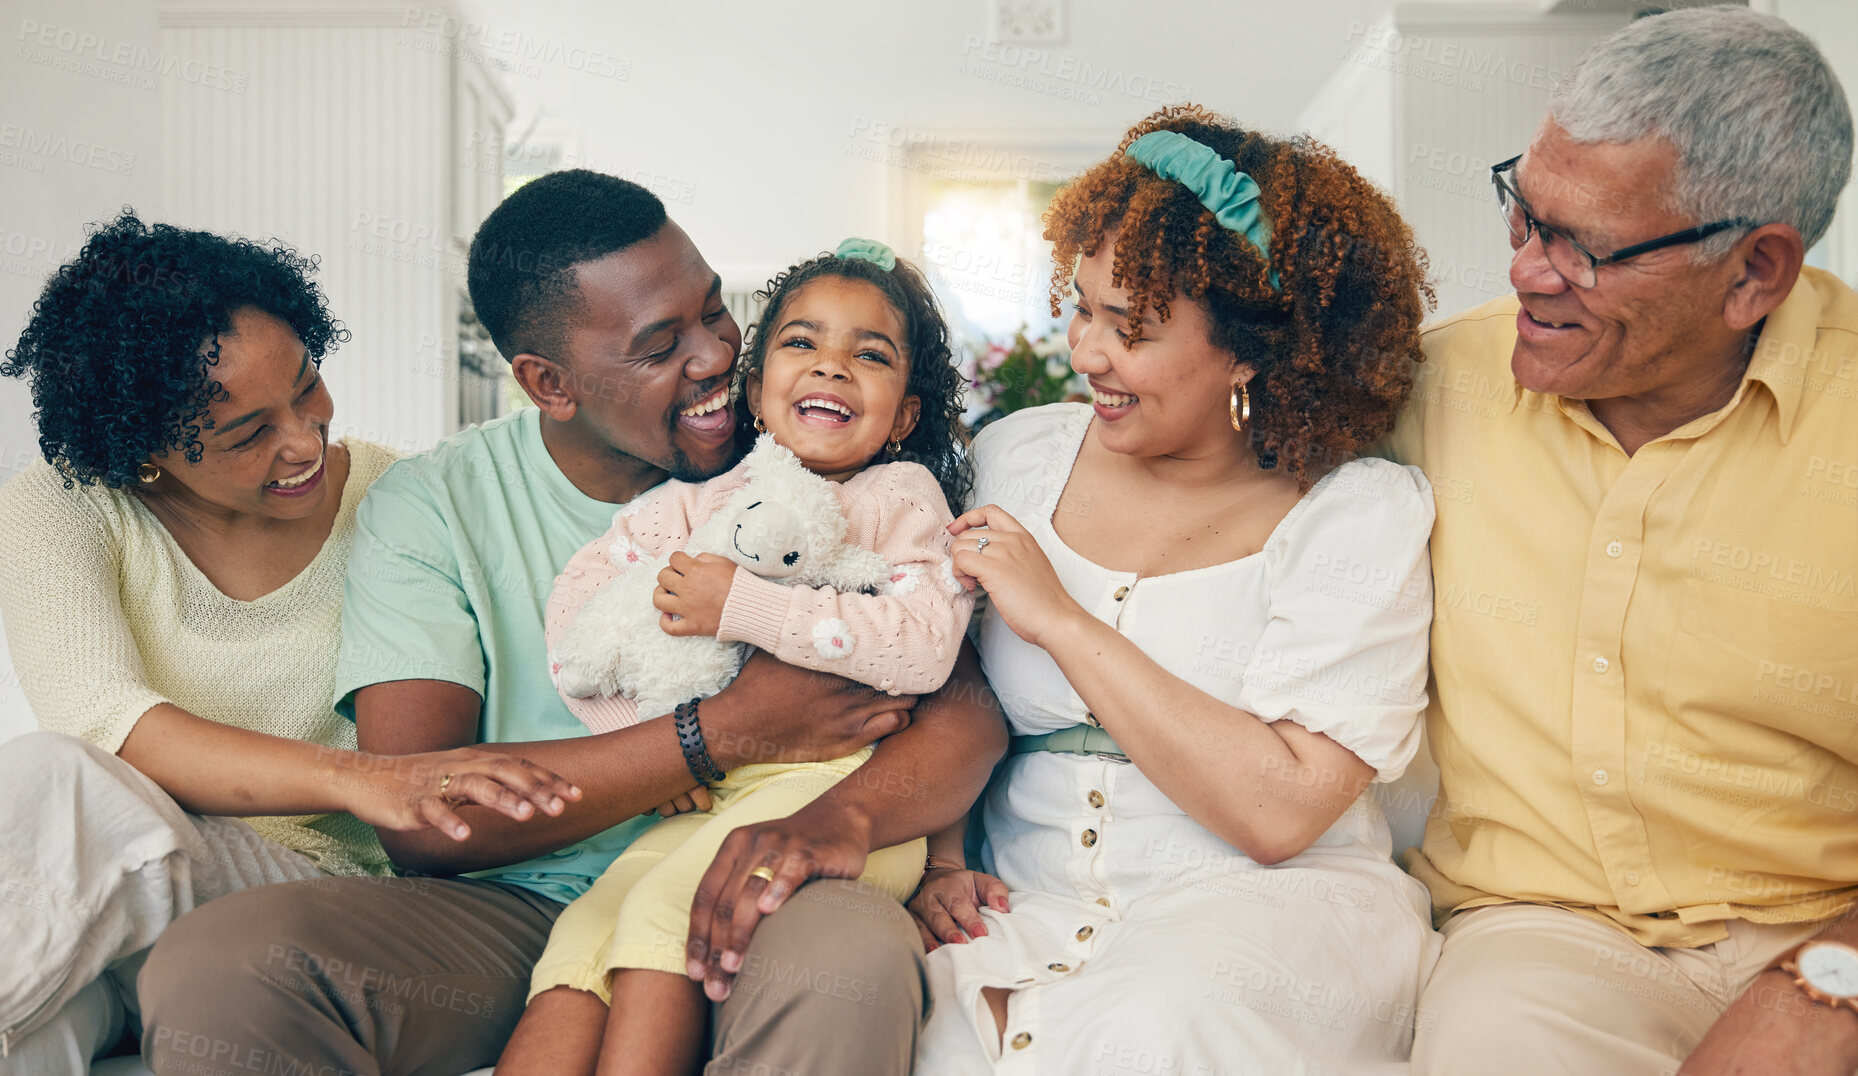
pixel 452 568
pixel 617 331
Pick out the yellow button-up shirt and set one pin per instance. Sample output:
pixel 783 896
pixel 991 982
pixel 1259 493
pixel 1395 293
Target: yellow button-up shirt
pixel 1645 668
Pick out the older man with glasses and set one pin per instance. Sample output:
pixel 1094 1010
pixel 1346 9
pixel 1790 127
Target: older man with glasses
pixel 1645 648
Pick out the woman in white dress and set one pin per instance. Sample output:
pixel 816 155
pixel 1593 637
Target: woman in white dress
pixel 1208 626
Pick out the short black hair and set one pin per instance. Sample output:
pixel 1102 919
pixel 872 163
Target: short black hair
pixel 939 441
pixel 122 343
pixel 521 272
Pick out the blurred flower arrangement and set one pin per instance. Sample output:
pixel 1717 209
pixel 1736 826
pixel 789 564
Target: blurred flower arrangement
pixel 1025 373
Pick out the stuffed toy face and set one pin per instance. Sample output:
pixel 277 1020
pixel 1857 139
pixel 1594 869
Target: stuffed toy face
pixel 767 537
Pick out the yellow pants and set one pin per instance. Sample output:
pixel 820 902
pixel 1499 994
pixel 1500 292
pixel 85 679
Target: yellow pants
pixel 637 914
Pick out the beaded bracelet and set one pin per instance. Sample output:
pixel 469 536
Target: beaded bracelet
pixel 690 738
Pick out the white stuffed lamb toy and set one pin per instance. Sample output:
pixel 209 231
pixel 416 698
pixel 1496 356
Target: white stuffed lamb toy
pixel 786 524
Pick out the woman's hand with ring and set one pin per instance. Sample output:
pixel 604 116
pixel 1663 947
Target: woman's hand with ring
pixel 995 551
pixel 413 792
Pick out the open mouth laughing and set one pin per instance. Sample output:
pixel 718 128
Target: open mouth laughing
pixel 1111 405
pixel 824 409
pixel 709 414
pixel 303 481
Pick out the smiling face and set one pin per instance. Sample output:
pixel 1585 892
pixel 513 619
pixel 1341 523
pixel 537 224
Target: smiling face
pixel 650 355
pixel 1168 394
pixel 831 387
pixel 1651 325
pixel 266 451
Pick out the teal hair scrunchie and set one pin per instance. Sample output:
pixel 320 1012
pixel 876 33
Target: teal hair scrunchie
pixel 868 250
pixel 1229 194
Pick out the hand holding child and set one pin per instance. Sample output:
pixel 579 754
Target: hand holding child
pixel 697 799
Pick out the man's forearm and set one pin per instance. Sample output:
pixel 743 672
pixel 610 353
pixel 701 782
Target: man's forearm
pixel 1774 1029
pixel 621 774
pixel 922 779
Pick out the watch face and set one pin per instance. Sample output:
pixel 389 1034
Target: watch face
pixel 1830 969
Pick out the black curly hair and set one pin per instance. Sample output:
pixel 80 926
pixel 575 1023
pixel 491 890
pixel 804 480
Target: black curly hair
pixel 122 342
pixel 939 441
pixel 521 269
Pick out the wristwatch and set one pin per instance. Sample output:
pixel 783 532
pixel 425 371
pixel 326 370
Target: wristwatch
pixel 1827 971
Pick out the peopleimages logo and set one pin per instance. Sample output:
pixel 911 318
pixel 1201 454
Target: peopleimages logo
pixel 81 50
pixel 35 143
pixel 1445 62
pixel 1080 74
pixel 516 44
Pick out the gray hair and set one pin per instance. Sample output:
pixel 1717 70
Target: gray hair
pixel 1761 126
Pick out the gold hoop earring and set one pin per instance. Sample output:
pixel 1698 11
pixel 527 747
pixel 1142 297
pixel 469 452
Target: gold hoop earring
pixel 1241 407
pixel 760 426
pixel 896 448
pixel 148 473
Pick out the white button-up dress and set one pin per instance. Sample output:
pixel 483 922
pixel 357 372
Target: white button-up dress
pixel 1137 942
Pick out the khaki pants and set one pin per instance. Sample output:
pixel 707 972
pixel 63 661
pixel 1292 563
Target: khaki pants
pixel 427 976
pixel 1522 989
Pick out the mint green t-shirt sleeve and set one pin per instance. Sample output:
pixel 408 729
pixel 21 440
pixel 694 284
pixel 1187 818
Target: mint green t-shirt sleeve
pixel 405 614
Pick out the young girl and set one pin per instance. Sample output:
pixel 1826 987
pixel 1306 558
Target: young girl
pixel 849 368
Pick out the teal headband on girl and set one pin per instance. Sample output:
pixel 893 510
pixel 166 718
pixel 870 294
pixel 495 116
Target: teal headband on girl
pixel 868 250
pixel 1229 194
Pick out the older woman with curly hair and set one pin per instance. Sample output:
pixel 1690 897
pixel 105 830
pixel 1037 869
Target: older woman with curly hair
pixel 1208 625
pixel 172 584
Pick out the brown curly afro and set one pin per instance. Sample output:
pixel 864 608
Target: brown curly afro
pixel 1334 348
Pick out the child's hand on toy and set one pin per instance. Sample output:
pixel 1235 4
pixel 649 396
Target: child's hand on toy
pixel 691 592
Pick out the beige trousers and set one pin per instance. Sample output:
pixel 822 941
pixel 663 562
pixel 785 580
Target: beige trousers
pixel 1526 989
pixel 426 977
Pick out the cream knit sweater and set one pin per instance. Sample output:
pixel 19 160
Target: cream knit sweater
pixel 107 617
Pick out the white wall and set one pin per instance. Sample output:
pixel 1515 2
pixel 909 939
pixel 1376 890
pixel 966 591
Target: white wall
pixel 1833 26
pixel 1428 98
pixel 757 122
pixel 75 147
pixel 340 145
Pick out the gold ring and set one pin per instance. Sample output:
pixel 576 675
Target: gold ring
pixel 766 874
pixel 445 783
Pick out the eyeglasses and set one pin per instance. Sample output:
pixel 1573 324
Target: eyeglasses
pixel 1578 265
